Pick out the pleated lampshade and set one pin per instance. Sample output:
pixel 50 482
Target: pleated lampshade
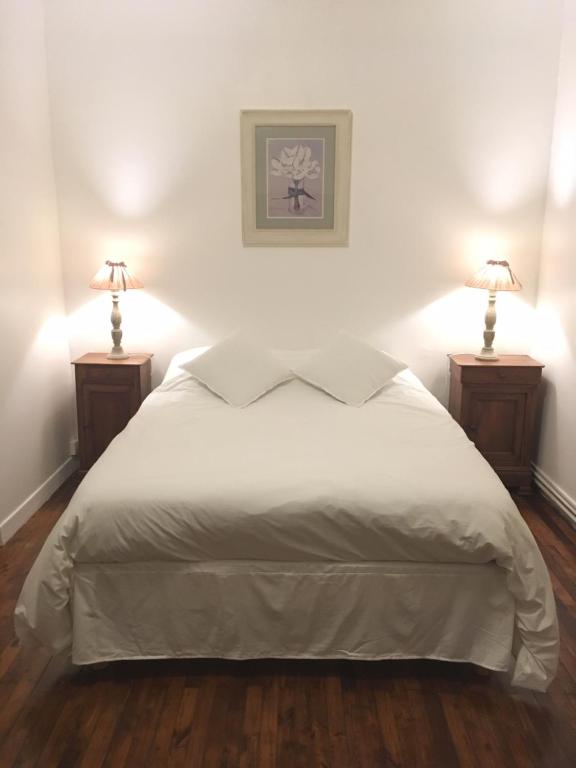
pixel 114 277
pixel 495 276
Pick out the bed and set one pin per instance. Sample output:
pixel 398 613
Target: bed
pixel 297 527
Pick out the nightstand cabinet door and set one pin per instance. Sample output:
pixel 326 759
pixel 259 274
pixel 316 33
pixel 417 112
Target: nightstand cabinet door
pixel 108 394
pixel 495 421
pixel 104 412
pixel 496 403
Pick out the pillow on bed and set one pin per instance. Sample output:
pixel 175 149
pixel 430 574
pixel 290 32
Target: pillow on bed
pixel 238 370
pixel 349 370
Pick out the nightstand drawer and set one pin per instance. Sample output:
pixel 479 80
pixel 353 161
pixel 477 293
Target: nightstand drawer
pixel 99 374
pixel 500 375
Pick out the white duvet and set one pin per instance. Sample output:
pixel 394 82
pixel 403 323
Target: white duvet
pixel 295 477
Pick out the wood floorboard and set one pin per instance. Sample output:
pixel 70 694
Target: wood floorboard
pixel 281 714
pixel 182 727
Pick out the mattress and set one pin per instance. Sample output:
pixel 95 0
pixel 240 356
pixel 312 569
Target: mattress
pixel 297 477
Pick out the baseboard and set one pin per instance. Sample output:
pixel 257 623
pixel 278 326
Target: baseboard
pixel 564 503
pixel 32 504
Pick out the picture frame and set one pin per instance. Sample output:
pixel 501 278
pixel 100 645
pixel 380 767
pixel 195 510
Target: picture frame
pixel 296 167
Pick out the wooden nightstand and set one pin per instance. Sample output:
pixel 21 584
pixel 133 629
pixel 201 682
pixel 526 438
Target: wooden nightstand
pixel 496 403
pixel 108 394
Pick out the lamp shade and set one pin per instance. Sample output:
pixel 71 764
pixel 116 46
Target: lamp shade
pixel 114 277
pixel 495 276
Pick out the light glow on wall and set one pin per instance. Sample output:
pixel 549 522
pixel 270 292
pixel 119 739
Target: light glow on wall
pixel 127 248
pixel 455 322
pixel 49 344
pixel 53 335
pixel 131 188
pixel 550 342
pixel 502 170
pixel 506 182
pixel 148 325
pixel 145 321
pixel 479 247
pixel 134 174
pixel 563 167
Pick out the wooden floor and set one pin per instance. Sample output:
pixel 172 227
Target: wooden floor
pixel 285 714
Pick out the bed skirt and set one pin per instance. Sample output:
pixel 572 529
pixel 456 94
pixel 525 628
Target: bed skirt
pixel 251 610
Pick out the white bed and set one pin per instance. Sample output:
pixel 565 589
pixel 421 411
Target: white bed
pixel 297 527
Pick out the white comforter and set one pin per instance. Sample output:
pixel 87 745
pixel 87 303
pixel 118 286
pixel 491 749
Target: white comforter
pixel 297 476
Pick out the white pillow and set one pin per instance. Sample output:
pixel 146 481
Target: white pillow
pixel 293 357
pixel 238 370
pixel 349 370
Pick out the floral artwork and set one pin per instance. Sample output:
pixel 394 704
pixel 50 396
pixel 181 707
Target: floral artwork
pixel 296 162
pixel 295 177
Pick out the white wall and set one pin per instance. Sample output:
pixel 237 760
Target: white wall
pixel 556 342
pixel 452 104
pixel 35 384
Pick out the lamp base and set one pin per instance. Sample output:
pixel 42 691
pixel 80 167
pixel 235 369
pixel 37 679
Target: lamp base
pixel 487 354
pixel 117 354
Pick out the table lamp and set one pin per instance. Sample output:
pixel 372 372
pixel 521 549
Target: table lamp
pixel 114 277
pixel 494 276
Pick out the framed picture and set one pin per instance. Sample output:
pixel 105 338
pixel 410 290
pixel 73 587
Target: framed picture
pixel 296 177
